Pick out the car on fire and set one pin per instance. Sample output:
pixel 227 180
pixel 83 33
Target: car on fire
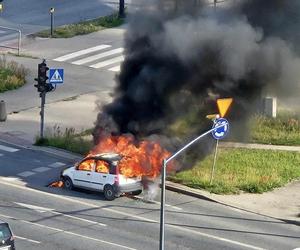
pixel 7 241
pixel 101 172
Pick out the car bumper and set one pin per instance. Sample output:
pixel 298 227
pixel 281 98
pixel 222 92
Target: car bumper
pixel 127 188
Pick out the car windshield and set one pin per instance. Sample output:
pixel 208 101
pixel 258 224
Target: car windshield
pixel 4 232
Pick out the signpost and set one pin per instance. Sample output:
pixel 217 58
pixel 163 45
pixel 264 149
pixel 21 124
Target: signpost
pixel 56 76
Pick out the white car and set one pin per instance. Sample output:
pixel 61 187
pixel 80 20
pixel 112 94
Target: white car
pixel 101 173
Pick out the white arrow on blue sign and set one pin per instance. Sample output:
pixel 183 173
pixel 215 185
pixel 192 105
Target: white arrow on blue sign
pixel 221 132
pixel 56 76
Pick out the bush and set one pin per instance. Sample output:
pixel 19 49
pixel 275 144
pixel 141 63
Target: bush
pixel 12 75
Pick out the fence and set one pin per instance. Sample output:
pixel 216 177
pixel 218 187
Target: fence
pixel 19 39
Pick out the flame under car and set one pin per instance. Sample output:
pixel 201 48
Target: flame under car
pixel 101 173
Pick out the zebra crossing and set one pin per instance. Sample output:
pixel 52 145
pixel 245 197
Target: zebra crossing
pixel 102 56
pixel 4 149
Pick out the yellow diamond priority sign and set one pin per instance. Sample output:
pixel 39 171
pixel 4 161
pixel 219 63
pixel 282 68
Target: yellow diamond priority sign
pixel 223 105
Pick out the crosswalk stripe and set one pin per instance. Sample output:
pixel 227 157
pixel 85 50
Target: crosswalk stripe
pixel 81 52
pixel 26 174
pixel 115 69
pixel 98 56
pixel 107 62
pixel 8 149
pixel 40 169
pixel 56 164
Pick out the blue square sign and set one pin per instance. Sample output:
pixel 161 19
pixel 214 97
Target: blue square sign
pixel 56 76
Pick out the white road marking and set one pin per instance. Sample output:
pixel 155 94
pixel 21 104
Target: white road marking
pixel 8 149
pixel 115 69
pixel 10 178
pixel 68 232
pixel 56 164
pixel 40 169
pixel 26 174
pixel 157 202
pixel 131 215
pixel 98 56
pixel 51 210
pixel 30 240
pixel 1 155
pixel 81 52
pixel 107 62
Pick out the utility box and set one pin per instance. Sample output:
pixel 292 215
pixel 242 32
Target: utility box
pixel 270 107
pixel 3 114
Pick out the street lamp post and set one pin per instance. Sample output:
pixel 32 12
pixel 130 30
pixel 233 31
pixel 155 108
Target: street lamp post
pixel 163 186
pixel 51 11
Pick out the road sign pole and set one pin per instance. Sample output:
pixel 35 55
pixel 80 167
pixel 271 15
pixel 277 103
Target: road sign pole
pixel 214 163
pixel 43 101
pixel 162 207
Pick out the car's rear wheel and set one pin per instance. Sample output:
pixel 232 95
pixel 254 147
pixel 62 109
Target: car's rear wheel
pixel 68 184
pixel 137 192
pixel 109 192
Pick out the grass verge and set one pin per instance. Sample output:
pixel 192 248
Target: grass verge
pixel 84 27
pixel 246 170
pixel 12 75
pixel 283 130
pixel 68 140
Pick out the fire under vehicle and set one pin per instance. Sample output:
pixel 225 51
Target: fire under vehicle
pixel 101 172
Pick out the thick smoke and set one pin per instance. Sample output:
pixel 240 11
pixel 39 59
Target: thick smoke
pixel 181 55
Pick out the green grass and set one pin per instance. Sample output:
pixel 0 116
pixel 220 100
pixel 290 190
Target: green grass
pixel 12 75
pixel 283 130
pixel 67 139
pixel 84 27
pixel 252 171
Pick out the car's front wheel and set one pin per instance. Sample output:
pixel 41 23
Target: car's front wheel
pixel 68 184
pixel 109 192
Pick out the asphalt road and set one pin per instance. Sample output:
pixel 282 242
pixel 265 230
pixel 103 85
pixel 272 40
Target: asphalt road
pixel 33 15
pixel 53 218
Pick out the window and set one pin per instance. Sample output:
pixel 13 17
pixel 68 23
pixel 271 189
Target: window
pixel 87 165
pixel 4 232
pixel 102 167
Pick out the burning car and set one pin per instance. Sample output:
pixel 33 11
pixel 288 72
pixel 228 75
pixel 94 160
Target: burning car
pixel 101 172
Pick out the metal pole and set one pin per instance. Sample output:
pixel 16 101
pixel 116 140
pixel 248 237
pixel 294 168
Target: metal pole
pixel 162 207
pixel 163 186
pixel 19 42
pixel 51 33
pixel 214 163
pixel 43 101
pixel 215 5
pixel 121 8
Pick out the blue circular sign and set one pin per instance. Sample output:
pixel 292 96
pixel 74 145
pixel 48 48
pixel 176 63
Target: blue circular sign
pixel 221 132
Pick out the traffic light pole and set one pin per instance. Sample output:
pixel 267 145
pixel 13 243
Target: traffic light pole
pixel 43 101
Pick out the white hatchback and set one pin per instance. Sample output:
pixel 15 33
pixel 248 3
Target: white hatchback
pixel 101 173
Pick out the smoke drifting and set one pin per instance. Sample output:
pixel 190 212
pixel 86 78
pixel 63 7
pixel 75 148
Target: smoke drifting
pixel 181 55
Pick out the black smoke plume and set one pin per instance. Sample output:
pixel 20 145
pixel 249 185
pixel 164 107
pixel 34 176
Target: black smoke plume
pixel 180 56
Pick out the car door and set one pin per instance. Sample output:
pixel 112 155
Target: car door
pixel 83 174
pixel 100 175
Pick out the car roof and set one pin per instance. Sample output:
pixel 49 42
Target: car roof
pixel 3 222
pixel 106 157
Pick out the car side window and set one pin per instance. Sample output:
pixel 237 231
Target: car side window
pixel 87 165
pixel 102 167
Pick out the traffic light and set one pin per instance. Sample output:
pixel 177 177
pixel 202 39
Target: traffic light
pixel 42 85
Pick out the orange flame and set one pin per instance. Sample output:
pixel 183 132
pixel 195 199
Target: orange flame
pixel 142 159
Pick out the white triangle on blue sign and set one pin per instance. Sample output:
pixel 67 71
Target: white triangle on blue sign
pixel 56 77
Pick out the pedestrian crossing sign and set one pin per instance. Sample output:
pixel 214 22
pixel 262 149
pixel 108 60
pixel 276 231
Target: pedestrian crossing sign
pixel 56 76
